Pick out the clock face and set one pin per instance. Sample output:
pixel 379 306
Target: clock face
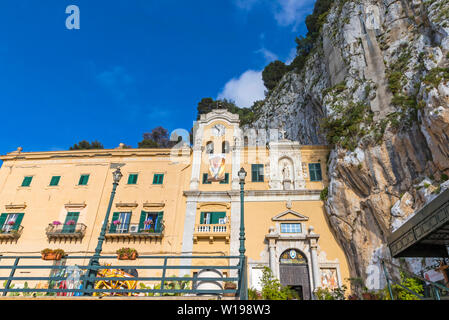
pixel 218 130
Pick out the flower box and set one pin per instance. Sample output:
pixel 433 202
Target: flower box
pixel 230 286
pixel 127 254
pixel 48 254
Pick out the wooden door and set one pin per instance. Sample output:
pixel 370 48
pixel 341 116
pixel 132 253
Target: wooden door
pixel 296 275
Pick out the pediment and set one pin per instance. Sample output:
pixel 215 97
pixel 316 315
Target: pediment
pixel 290 215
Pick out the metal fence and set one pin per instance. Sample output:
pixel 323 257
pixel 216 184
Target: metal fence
pixel 61 280
pixel 431 290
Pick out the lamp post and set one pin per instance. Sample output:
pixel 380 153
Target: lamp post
pixel 243 286
pixel 95 260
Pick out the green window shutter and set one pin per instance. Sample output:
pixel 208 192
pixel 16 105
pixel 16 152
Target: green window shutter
pixel 158 178
pixel 26 181
pixel 226 179
pixel 3 217
pixel 315 172
pixel 70 216
pixel 202 218
pixel 18 221
pixel 216 216
pixel 143 217
pixel 257 173
pixel 84 178
pixel 113 227
pixel 159 221
pixel 205 177
pixel 55 180
pixel 132 179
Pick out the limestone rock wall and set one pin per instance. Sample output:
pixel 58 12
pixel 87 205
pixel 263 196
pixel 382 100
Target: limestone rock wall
pixel 390 55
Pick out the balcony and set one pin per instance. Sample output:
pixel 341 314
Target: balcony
pixel 55 232
pixel 133 231
pixel 9 233
pixel 212 232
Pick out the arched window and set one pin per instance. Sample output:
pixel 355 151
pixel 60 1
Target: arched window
pixel 225 147
pixel 210 147
pixel 245 141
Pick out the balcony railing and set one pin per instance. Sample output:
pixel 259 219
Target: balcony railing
pixel 76 231
pixel 133 230
pixel 212 232
pixel 10 233
pixel 71 278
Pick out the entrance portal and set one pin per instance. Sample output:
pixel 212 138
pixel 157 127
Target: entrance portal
pixel 294 272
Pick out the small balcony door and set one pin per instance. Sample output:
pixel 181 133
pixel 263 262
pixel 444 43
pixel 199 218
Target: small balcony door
pixel 124 218
pixel 70 222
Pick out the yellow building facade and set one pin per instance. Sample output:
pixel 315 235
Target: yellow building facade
pixel 166 203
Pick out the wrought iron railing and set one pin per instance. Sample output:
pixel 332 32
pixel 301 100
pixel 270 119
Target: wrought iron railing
pixel 8 232
pixel 61 231
pixel 62 282
pixel 435 292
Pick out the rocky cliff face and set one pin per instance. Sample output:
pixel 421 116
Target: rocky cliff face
pixel 376 87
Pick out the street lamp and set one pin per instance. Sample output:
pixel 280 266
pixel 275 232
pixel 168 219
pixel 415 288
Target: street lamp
pixel 95 260
pixel 243 287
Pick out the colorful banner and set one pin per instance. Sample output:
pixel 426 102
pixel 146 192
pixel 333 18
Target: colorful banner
pixel 217 167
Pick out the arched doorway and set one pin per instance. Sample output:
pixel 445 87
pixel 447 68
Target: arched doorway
pixel 294 272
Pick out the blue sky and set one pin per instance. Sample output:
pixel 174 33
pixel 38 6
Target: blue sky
pixel 133 65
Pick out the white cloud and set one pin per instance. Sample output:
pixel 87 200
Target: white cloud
pixel 244 90
pixel 286 12
pixel 292 12
pixel 245 4
pixel 268 55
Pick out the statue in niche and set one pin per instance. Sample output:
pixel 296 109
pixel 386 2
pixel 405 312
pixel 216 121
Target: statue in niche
pixel 286 172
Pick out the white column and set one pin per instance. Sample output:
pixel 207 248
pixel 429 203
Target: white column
pixel 313 239
pixel 235 230
pixel 187 237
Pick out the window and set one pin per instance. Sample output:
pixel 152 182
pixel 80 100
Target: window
pixel 70 222
pixel 257 172
pixel 213 218
pixel 10 221
pixel 210 147
pixel 225 147
pixel 158 178
pixel 27 181
pixel 290 227
pixel 205 181
pixel 123 219
pixel 226 179
pixel 54 180
pixel 315 171
pixel 151 221
pixel 84 178
pixel 132 179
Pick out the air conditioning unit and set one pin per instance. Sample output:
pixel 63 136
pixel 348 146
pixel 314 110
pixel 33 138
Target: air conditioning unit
pixel 133 229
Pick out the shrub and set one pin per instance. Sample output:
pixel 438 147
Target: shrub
pixel 272 289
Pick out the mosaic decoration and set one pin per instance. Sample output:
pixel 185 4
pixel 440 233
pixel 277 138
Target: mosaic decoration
pixel 292 256
pixel 329 278
pixel 217 167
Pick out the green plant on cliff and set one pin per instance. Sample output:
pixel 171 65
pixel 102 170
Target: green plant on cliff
pixel 410 283
pixel 324 194
pixel 349 124
pixel 435 76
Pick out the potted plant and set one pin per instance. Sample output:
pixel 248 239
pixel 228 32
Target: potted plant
pixel 56 223
pixel 116 222
pixel 127 254
pixel 229 285
pixel 70 222
pixel 49 254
